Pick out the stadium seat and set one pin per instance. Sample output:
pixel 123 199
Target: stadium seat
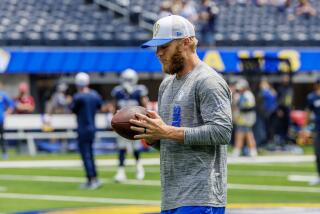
pixel 77 23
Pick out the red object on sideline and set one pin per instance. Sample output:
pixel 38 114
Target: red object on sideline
pixel 299 117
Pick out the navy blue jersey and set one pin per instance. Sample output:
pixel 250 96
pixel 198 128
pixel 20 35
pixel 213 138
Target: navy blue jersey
pixel 124 98
pixel 85 105
pixel 314 105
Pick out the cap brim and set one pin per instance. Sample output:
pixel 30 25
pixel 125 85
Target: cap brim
pixel 155 43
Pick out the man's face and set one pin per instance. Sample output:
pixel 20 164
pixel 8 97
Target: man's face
pixel 171 58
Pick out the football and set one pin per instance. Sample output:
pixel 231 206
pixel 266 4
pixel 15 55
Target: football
pixel 120 121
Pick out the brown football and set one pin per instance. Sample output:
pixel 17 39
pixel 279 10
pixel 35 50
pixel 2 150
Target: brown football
pixel 120 121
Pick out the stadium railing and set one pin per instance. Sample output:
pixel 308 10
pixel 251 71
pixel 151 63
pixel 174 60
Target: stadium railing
pixel 29 127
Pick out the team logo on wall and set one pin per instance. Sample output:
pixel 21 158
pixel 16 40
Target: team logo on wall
pixel 4 60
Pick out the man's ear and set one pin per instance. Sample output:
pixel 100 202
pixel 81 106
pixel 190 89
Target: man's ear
pixel 186 43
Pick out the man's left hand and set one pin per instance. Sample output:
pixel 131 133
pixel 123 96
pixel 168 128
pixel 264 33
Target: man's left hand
pixel 151 127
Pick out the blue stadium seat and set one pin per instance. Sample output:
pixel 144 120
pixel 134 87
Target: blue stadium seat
pixel 75 23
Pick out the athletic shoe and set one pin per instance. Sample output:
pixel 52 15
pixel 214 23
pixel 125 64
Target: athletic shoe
pixel 95 185
pixel 121 175
pixel 139 172
pixel 91 185
pixel 236 153
pixel 253 153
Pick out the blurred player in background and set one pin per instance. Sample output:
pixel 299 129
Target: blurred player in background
pixel 59 101
pixel 6 107
pixel 193 126
pixel 24 103
pixel 85 104
pixel 313 100
pixel 281 119
pixel 245 119
pixel 129 93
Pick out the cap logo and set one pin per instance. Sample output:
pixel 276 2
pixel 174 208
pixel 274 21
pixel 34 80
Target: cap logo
pixel 179 33
pixel 156 29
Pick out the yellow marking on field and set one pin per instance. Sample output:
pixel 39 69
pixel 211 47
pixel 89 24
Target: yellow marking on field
pixel 274 205
pixel 111 210
pixel 156 209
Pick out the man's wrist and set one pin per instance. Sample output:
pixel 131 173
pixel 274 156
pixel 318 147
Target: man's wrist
pixel 175 133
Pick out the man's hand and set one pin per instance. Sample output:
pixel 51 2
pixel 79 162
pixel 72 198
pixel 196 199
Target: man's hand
pixel 151 127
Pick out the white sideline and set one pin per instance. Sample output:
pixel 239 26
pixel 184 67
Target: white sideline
pixel 274 188
pixel 70 163
pixel 157 183
pixel 78 199
pixel 302 178
pixel 64 179
pixel 265 173
pixel 152 161
pixel 271 159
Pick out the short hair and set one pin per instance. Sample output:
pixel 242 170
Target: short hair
pixel 194 44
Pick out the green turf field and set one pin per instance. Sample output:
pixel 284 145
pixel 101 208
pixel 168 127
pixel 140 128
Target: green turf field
pixel 47 188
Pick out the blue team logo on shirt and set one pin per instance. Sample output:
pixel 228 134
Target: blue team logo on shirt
pixel 176 116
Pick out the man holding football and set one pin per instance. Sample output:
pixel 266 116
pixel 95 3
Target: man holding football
pixel 193 126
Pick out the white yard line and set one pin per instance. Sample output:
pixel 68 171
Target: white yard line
pixel 131 168
pixel 273 188
pixel 70 163
pixel 232 172
pixel 147 169
pixel 157 183
pixel 293 164
pixel 78 199
pixel 264 173
pixel 64 179
pixel 271 159
pixel 302 178
pixel 151 161
pixel 55 179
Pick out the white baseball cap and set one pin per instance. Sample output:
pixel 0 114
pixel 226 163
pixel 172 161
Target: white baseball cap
pixel 169 28
pixel 82 79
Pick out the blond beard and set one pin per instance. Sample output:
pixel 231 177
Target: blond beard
pixel 175 65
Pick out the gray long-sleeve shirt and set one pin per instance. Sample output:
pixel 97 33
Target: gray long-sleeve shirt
pixel 195 173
